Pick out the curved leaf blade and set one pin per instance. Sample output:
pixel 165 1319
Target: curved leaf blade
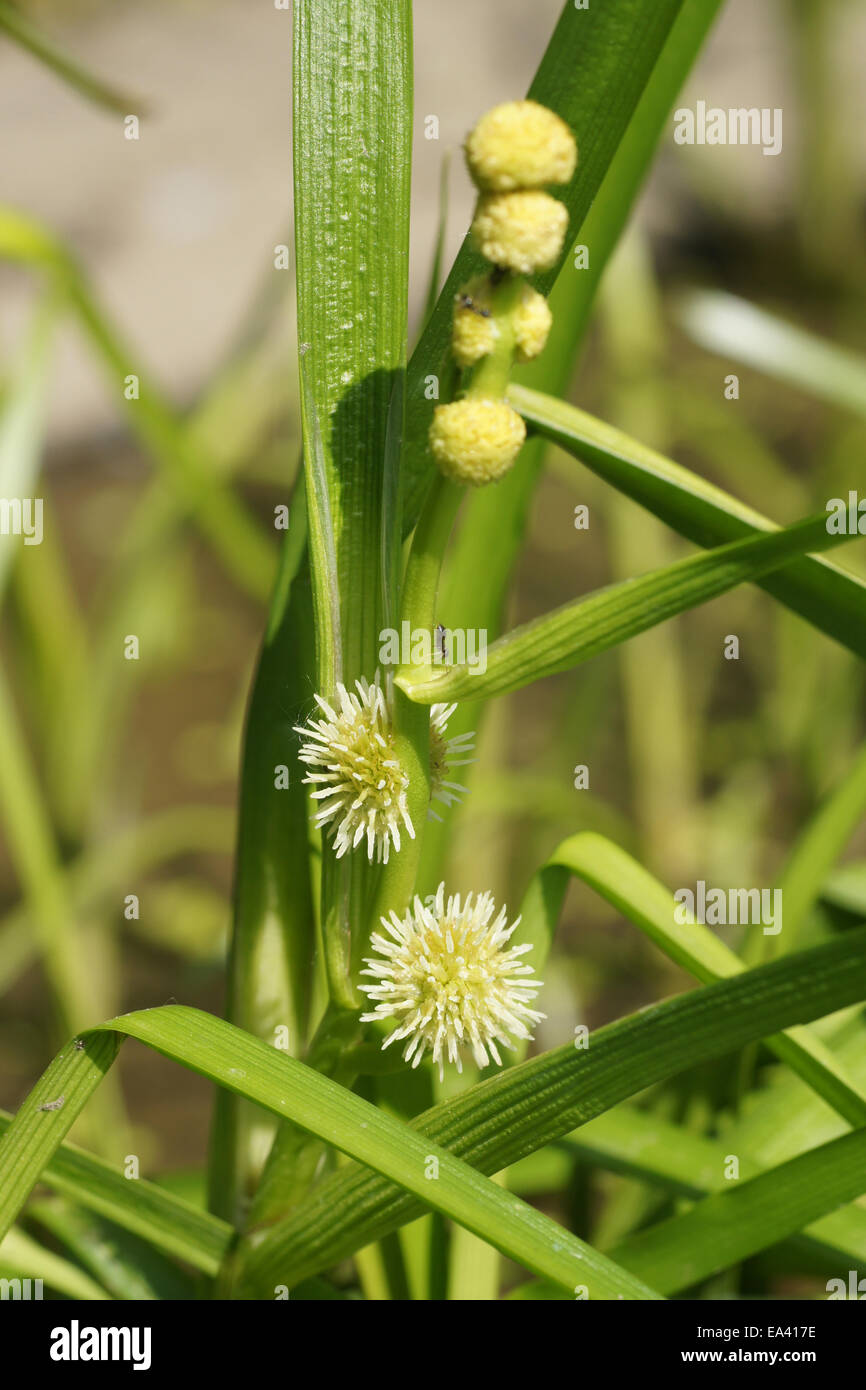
pixel 287 1088
pixel 633 891
pixel 732 1225
pixel 829 597
pixel 588 626
pixel 528 1106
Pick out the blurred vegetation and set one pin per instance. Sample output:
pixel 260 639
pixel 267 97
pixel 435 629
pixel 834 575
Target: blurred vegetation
pixel 118 776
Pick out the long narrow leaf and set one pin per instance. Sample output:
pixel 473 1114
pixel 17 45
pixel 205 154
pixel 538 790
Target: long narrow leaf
pixel 289 1089
pixel 640 1144
pixel 732 327
pixel 241 544
pixel 272 948
pixel 529 1106
pixel 647 903
pixel 830 598
pixel 141 1207
pixel 730 1226
pixel 352 162
pixel 23 1257
pixel 17 27
pixel 582 629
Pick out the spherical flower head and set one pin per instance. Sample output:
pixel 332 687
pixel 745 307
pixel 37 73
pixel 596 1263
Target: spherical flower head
pixel 476 440
pixel 532 319
pixel 359 782
pixel 520 145
pixel 445 754
pixel 473 328
pixel 522 231
pixel 449 977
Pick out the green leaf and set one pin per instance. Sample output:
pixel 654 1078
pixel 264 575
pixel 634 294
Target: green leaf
pixel 845 887
pixel 128 1267
pixel 289 1089
pixel 35 857
pixel 647 903
pixel 593 73
pixel 105 867
pixel 830 598
pixel 352 165
pixel 584 628
pixel 46 1117
pixel 271 961
pixel 168 1222
pixel 17 27
pixel 23 1257
pixel 730 1226
pixel 640 1144
pixel 528 1106
pixel 352 87
pixel 238 540
pixel 574 292
pixel 732 327
pixel 806 869
pixel 22 423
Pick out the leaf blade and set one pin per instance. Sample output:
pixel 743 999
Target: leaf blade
pixel 586 627
pixel 831 598
pixel 287 1088
pixel 730 1226
pixel 352 162
pixel 530 1105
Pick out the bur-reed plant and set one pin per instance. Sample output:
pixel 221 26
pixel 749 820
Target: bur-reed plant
pixel 366 992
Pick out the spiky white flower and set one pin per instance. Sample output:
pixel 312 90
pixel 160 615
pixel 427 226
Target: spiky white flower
pixel 449 977
pixel 445 754
pixel 360 783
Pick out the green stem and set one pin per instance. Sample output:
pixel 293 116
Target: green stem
pixel 411 728
pixel 337 933
pixel 489 378
pixel 428 548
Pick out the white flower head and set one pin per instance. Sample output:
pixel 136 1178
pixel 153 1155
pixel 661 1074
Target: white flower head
pixel 448 975
pixel 445 754
pixel 360 783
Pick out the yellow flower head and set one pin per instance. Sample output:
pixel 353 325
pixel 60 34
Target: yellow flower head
pixel 451 981
pixel 522 231
pixel 532 319
pixel 520 145
pixel 474 331
pixel 476 441
pixel 360 786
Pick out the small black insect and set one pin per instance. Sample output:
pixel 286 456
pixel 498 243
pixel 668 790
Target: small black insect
pixel 467 302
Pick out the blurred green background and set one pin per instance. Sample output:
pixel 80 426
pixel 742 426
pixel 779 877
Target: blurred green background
pixel 118 777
